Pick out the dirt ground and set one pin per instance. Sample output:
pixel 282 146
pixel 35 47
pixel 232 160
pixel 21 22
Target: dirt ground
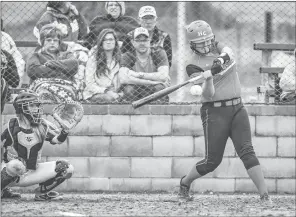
pixel 136 204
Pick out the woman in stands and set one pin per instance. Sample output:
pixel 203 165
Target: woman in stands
pixel 102 69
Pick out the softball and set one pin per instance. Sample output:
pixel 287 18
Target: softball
pixel 196 90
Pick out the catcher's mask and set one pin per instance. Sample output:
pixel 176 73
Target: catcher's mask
pixel 28 103
pixel 201 37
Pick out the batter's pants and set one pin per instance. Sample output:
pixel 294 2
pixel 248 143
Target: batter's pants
pixel 220 123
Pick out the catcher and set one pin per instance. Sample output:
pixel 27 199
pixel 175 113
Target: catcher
pixel 223 113
pixel 23 138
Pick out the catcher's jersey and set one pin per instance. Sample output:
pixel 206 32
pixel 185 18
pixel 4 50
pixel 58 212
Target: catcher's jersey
pixel 23 143
pixel 227 86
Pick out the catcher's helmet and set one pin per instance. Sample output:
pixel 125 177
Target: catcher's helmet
pixel 200 36
pixel 28 104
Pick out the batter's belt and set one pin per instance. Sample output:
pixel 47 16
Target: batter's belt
pixel 224 103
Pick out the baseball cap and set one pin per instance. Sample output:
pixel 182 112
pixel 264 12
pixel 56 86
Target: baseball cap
pixel 141 31
pixel 147 10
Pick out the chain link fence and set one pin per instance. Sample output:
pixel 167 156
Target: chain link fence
pixel 94 73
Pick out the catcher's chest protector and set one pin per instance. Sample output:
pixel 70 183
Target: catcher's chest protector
pixel 23 142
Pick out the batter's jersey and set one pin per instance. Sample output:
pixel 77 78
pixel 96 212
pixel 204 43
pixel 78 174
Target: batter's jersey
pixel 227 86
pixel 24 143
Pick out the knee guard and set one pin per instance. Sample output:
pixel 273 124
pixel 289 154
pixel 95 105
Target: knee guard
pixel 16 167
pixel 7 179
pixel 250 160
pixel 64 171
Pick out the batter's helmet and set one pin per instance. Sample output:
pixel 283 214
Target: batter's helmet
pixel 21 105
pixel 200 32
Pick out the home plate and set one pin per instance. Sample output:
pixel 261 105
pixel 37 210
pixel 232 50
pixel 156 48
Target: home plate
pixel 70 214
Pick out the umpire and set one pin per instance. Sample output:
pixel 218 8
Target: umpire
pixel 223 114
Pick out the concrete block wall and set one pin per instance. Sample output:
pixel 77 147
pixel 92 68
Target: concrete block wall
pixel 117 148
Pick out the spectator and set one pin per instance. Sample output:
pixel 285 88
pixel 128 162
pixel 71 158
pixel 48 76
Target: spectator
pixel 287 83
pixel 64 13
pixel 9 69
pixel 8 44
pixel 52 70
pixel 9 76
pixel 145 70
pixel 114 19
pixel 102 69
pixel 159 38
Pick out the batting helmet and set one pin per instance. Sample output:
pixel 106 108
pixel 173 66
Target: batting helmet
pixel 200 36
pixel 23 104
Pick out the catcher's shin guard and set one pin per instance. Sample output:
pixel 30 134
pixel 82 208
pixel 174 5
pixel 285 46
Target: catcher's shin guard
pixel 64 171
pixel 7 179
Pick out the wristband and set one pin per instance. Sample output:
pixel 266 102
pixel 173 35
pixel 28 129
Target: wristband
pixel 225 57
pixel 221 60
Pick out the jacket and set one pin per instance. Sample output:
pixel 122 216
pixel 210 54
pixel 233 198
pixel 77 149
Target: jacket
pixel 76 25
pixel 63 68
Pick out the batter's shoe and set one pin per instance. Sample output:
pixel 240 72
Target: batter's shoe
pixel 52 195
pixel 265 199
pixel 184 191
pixel 8 193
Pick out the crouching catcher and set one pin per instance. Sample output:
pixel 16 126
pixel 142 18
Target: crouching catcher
pixel 22 140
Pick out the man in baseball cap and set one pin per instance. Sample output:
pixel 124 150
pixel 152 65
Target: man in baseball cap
pixel 147 11
pixel 159 39
pixel 143 72
pixel 141 31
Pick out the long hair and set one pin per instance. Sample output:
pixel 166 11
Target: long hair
pixel 100 53
pixel 39 129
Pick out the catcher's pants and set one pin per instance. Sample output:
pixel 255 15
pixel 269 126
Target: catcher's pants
pixel 43 172
pixel 220 123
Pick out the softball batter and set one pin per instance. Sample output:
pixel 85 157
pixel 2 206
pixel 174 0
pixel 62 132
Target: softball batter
pixel 223 114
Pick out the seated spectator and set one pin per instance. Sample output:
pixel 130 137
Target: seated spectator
pixel 102 69
pixel 9 76
pixel 114 19
pixel 79 52
pixel 287 83
pixel 278 59
pixel 73 23
pixel 8 45
pixel 144 71
pixel 52 70
pixel 9 69
pixel 158 38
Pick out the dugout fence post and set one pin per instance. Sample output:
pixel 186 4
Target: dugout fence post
pixel 266 54
pixel 181 20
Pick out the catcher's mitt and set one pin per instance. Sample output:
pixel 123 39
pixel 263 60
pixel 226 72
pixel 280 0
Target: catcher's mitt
pixel 68 114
